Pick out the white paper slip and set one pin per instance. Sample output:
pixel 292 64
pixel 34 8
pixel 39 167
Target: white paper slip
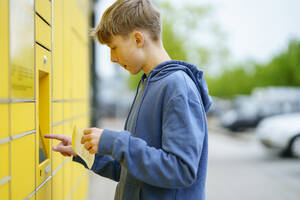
pixel 79 148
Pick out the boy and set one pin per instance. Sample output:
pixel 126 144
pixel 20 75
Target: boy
pixel 162 152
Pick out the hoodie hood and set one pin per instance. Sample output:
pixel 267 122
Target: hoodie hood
pixel 165 68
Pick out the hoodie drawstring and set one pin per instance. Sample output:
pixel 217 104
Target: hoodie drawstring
pixel 137 91
pixel 141 102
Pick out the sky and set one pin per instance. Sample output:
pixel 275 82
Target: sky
pixel 256 29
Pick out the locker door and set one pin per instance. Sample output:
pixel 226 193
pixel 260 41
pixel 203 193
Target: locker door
pixel 4 49
pixel 43 61
pixel 22 112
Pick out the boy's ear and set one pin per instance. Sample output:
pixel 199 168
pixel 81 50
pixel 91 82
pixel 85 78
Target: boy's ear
pixel 139 39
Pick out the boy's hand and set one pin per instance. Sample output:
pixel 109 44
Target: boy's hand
pixel 65 146
pixel 91 139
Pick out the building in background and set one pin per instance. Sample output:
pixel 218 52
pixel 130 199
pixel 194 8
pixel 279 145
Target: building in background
pixel 112 96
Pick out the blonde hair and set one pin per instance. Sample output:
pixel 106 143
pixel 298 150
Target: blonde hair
pixel 125 16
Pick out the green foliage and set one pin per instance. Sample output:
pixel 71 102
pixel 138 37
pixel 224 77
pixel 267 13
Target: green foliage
pixel 133 80
pixel 282 70
pixel 173 43
pixel 182 46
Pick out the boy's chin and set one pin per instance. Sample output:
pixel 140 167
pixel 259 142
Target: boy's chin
pixel 133 72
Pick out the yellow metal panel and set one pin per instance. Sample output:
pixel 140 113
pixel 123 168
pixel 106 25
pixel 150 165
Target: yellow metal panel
pixel 43 152
pixel 67 179
pixel 67 77
pixel 42 59
pixel 68 128
pixel 4 49
pixel 21 20
pixel 57 112
pixel 43 171
pixel 43 7
pixel 4 121
pixel 22 117
pixel 4 191
pixel 32 197
pixel 75 48
pixel 75 109
pixel 4 160
pixel 58 49
pixel 44 192
pixel 68 34
pixel 82 107
pixel 57 158
pixel 43 32
pixel 58 186
pixel 22 166
pixel 57 79
pixel 67 110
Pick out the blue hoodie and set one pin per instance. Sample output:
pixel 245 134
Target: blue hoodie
pixel 162 152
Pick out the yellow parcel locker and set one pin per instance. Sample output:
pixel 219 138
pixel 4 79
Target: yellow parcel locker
pixel 43 8
pixel 42 59
pixel 57 158
pixel 22 166
pixel 22 118
pixel 43 153
pixel 43 32
pixel 67 178
pixel 68 163
pixel 58 49
pixel 68 113
pixel 4 191
pixel 57 185
pixel 21 52
pixel 4 160
pixel 4 49
pixel 44 193
pixel 4 121
pixel 57 112
pixel 57 77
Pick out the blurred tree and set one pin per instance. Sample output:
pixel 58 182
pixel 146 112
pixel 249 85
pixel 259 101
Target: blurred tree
pixel 185 34
pixel 282 70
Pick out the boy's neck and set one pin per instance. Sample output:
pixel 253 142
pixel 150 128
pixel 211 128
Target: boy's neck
pixel 154 56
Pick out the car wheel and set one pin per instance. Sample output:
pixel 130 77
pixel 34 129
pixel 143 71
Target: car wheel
pixel 295 147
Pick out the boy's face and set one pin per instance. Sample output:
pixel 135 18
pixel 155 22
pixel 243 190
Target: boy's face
pixel 128 52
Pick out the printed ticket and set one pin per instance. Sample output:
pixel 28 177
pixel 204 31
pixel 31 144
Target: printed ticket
pixel 79 148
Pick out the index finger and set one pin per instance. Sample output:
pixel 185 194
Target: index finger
pixel 55 136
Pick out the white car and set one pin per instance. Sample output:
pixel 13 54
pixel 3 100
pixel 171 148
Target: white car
pixel 281 133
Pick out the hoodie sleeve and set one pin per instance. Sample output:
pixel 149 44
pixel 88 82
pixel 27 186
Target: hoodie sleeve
pixel 104 166
pixel 176 163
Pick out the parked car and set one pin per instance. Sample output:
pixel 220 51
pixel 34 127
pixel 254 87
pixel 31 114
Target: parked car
pixel 281 134
pixel 244 114
pixel 248 111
